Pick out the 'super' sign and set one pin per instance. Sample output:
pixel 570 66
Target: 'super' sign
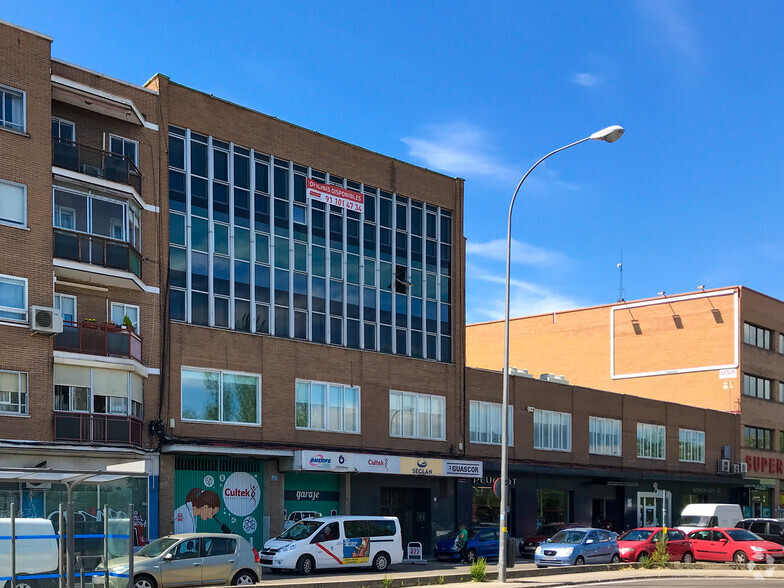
pixel 336 196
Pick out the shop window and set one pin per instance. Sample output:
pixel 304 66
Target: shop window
pixel 218 396
pixel 552 506
pixel 485 423
pixel 651 441
pixel 486 506
pixel 691 445
pixel 324 406
pixel 552 430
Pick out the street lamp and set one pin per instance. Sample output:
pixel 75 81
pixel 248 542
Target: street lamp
pixel 610 135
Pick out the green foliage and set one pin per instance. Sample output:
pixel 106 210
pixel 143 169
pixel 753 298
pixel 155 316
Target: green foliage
pixel 386 582
pixel 659 558
pixel 479 570
pixel 127 322
pixel 440 580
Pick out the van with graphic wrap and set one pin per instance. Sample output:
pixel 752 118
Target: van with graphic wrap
pixel 335 542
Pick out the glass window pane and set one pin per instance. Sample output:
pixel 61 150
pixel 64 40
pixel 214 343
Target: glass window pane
pixel 240 398
pixel 200 391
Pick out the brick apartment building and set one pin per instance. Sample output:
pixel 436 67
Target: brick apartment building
pixel 721 349
pixel 294 334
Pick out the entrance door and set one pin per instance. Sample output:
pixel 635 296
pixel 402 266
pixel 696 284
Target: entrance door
pixel 651 507
pixel 412 507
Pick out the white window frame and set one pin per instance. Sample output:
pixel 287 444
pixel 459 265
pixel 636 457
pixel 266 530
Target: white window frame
pixel 58 209
pixel 606 428
pixel 125 308
pixel 326 406
pixel 8 278
pixel 23 95
pixel 220 420
pixel 58 303
pixel 475 424
pixel 399 414
pixel 691 441
pixel 24 409
pixel 12 223
pixel 60 121
pixel 125 140
pixel 646 429
pixel 553 420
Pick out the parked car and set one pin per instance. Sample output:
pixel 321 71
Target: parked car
pixel 298 515
pixel 482 542
pixel 543 532
pixel 702 516
pixel 639 543
pixel 189 559
pixel 578 546
pixel 768 529
pixel 736 545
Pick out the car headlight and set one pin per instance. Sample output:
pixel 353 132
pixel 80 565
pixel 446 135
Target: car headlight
pixel 288 547
pixel 567 551
pixel 538 550
pixel 756 548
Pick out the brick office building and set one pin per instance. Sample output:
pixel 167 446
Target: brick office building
pixel 719 349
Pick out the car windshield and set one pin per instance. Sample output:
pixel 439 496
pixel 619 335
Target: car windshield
pixel 547 530
pixel 742 535
pixel 635 535
pixel 574 537
pixel 694 521
pixel 157 547
pixel 302 530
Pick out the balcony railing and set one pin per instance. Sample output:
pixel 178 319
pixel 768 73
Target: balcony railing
pixel 107 340
pixel 81 427
pixel 97 250
pixel 95 162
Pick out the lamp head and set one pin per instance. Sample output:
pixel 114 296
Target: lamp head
pixel 610 134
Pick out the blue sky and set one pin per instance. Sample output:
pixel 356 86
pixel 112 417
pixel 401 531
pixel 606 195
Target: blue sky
pixel 691 194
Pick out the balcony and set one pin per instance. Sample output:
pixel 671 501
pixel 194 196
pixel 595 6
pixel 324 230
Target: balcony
pixel 106 340
pixel 95 250
pixel 96 163
pixel 110 429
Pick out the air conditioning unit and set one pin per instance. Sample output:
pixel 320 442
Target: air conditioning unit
pixel 725 452
pixel 740 468
pixel 92 170
pixel 723 466
pixel 554 378
pixel 45 320
pixel 513 371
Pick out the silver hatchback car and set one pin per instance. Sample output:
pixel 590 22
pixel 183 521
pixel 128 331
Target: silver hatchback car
pixel 193 559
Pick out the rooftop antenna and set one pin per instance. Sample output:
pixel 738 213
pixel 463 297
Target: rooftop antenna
pixel 621 289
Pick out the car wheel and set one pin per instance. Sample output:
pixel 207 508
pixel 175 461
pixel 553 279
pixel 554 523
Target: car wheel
pixel 641 556
pixel 23 584
pixel 144 581
pixel 472 555
pixel 688 557
pixel 579 561
pixel 305 565
pixel 243 578
pixel 740 558
pixel 615 558
pixel 381 562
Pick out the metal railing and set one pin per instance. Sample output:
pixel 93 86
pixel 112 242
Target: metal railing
pixel 96 162
pixel 97 250
pixel 110 429
pixel 107 340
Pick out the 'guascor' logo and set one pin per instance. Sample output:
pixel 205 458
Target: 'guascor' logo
pixel 241 494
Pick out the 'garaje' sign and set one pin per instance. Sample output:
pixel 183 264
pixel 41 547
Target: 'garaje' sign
pixel 336 196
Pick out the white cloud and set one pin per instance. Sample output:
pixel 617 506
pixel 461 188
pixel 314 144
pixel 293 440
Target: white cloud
pixel 585 79
pixel 672 28
pixel 523 253
pixel 525 298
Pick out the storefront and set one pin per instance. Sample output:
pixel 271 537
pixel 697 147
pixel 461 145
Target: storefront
pixel 763 496
pixel 421 492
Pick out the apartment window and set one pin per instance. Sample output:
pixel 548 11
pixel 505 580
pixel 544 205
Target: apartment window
pixel 121 310
pixel 13 298
pixel 781 440
pixel 66 304
pixel 89 213
pixel 691 445
pixel 781 342
pixel 552 430
pixel 221 397
pixel 12 108
pixel 98 390
pixel 126 147
pixel 13 204
pixel 604 436
pixel 63 130
pixel 13 392
pixel 781 391
pixel 485 423
pixel 651 441
pixel 757 438
pixel 756 387
pixel 420 416
pixel 757 336
pixel 323 406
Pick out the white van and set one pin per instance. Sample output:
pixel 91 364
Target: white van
pixel 335 542
pixel 701 516
pixel 37 556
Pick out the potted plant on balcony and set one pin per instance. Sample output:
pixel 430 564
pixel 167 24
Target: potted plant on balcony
pixel 110 327
pixel 128 324
pixel 89 323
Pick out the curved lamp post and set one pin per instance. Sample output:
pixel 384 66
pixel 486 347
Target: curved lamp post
pixel 610 135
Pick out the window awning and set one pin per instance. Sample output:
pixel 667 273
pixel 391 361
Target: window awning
pixel 112 473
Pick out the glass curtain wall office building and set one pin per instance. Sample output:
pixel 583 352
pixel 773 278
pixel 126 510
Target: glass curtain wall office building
pixel 250 251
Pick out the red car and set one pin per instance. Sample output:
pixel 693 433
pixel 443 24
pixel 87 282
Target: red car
pixel 638 543
pixel 736 545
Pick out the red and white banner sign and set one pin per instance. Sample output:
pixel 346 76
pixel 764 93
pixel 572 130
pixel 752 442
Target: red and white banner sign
pixel 336 196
